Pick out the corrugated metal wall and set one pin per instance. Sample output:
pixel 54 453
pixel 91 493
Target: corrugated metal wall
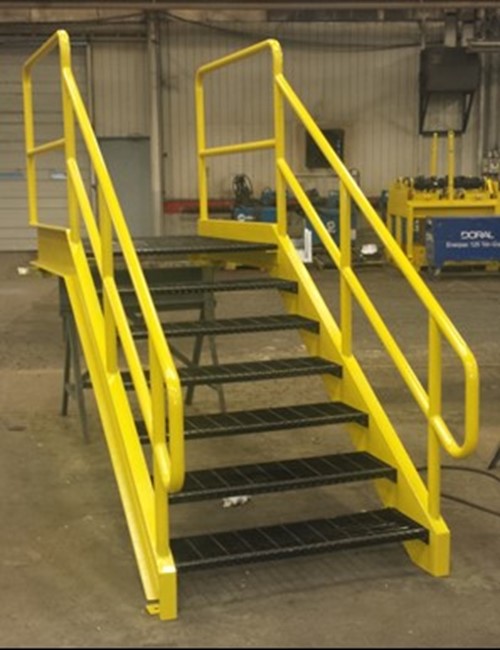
pixel 15 233
pixel 362 78
pixel 120 89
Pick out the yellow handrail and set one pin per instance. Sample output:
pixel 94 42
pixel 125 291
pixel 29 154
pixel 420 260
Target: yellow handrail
pixel 440 325
pixel 169 466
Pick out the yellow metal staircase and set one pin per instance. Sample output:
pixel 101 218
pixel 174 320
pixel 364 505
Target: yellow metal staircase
pixel 410 511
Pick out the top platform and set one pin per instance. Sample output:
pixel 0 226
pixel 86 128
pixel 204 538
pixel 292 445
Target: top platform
pixel 193 244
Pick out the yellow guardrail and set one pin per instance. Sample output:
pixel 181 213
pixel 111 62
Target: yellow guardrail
pixel 440 326
pixel 164 392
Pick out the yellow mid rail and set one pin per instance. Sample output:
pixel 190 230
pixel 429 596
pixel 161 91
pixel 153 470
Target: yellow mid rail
pixel 439 325
pixel 103 327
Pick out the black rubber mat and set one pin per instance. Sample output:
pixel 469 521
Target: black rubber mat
pixel 281 475
pixel 232 326
pixel 268 419
pixel 294 539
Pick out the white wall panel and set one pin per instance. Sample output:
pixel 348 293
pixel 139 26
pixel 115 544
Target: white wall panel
pixel 15 234
pixel 359 77
pixel 120 89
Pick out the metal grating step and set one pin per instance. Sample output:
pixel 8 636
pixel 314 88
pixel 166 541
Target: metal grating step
pixel 249 371
pixel 247 284
pixel 268 419
pixel 258 370
pixel 232 326
pixel 294 539
pixel 281 475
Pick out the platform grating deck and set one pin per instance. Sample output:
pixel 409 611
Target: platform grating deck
pixel 189 245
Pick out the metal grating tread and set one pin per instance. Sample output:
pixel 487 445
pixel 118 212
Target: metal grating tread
pixel 249 371
pixel 232 326
pixel 267 419
pixel 199 286
pixel 294 539
pixel 258 370
pixel 281 475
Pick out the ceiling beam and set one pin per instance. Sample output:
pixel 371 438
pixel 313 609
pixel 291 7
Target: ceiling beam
pixel 162 5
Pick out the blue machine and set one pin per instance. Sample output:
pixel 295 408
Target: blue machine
pixel 462 239
pixel 329 212
pixel 264 210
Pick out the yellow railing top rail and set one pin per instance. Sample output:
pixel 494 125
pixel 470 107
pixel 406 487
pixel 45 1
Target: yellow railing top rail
pixel 58 39
pixel 270 44
pixel 172 473
pixel 434 309
pixel 432 306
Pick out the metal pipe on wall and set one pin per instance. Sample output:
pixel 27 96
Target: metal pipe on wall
pixel 482 113
pixel 155 123
pixel 495 97
pixel 160 5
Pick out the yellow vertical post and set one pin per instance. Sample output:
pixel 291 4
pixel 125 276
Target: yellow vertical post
pixel 201 145
pixel 398 231
pixel 167 573
pixel 410 235
pixel 69 134
pixel 279 136
pixel 107 266
pixel 433 445
pixel 29 136
pixel 451 163
pixel 158 435
pixel 345 265
pixel 434 154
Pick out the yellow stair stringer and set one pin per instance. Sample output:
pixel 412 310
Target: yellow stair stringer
pixel 408 494
pixel 59 256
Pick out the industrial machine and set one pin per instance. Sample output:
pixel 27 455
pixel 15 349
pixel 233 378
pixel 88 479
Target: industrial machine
pixel 450 219
pixel 249 208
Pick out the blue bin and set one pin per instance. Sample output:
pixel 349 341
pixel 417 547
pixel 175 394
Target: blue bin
pixel 462 239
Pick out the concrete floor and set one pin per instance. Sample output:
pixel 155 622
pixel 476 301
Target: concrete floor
pixel 68 573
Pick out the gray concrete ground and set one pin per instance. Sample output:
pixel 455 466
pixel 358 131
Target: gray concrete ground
pixel 68 576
